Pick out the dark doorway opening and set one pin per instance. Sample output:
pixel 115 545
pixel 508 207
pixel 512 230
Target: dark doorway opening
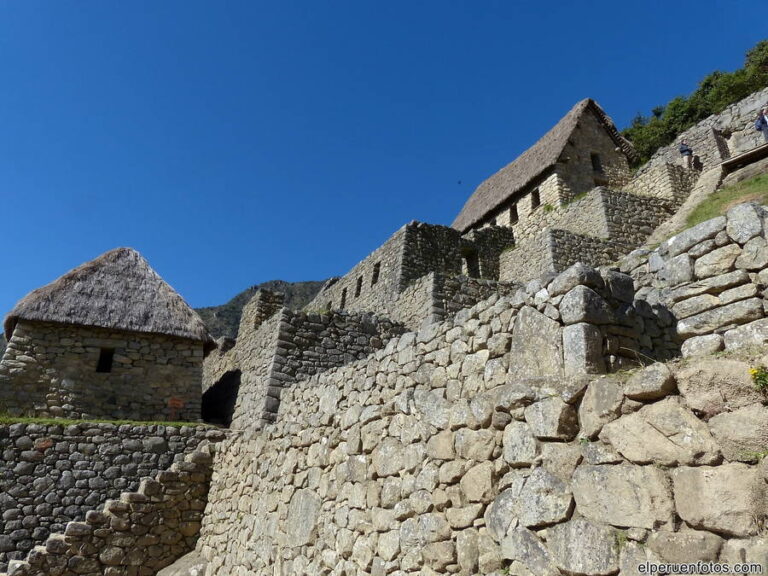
pixel 219 400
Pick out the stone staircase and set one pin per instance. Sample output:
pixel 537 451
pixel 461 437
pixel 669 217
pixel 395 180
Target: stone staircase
pixel 137 535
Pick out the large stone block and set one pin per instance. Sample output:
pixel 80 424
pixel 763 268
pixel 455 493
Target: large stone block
pixel 717 262
pixel 537 345
pixel 523 546
pixel 583 349
pixel 581 547
pixel 583 304
pixel 727 499
pixel 752 335
pixel 624 495
pixel 303 514
pixel 743 433
pixel 578 274
pixel 692 236
pixel 600 405
pixel 650 383
pixel 552 419
pixel 711 386
pixel 744 221
pixel 737 313
pixel 665 432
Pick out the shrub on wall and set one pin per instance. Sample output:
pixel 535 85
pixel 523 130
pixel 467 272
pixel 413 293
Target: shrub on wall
pixel 716 92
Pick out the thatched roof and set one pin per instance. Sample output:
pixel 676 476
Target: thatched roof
pixel 118 290
pixel 532 164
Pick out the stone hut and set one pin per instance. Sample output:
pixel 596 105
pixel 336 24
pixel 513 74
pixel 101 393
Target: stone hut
pixel 583 150
pixel 109 339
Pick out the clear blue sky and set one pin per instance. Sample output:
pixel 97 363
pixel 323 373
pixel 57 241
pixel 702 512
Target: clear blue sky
pixel 243 141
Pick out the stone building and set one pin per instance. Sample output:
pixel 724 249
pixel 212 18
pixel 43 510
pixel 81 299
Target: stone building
pixel 582 151
pixel 109 339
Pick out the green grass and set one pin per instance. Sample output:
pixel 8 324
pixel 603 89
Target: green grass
pixel 6 419
pixel 752 190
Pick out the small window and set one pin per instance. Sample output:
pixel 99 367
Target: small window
pixel 359 287
pixel 597 165
pixel 105 360
pixel 376 271
pixel 535 199
pixel 343 299
pixel 493 222
pixel 471 264
pixel 330 306
pixel 513 217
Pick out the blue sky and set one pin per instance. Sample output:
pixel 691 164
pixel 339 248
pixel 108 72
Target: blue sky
pixel 237 142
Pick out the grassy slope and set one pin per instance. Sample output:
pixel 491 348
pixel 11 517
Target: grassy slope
pixel 752 190
pixel 224 320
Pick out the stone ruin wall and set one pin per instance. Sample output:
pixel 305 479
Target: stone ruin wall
pixel 663 180
pixel 595 228
pixel 137 535
pixel 718 137
pixel 53 474
pixel 49 369
pixel 488 441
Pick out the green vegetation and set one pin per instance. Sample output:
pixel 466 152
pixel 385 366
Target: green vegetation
pixel 225 319
pixel 760 378
pixel 547 207
pixel 754 189
pixel 716 92
pixel 6 419
pixel 621 539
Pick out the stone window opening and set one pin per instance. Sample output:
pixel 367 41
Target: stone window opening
pixel 359 287
pixel 493 222
pixel 535 199
pixel 343 299
pixel 376 271
pixel 106 355
pixel 330 306
pixel 471 264
pixel 514 218
pixel 597 164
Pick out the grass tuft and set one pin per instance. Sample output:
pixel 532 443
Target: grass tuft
pixel 752 190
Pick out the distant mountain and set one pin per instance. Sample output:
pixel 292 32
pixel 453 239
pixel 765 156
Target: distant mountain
pixel 224 320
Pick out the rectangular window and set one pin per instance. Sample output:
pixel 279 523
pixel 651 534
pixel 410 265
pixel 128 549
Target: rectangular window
pixel 376 271
pixel 535 199
pixel 343 299
pixel 597 165
pixel 105 360
pixel 513 217
pixel 359 287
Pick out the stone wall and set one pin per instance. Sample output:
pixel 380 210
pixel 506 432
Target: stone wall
pixel 712 278
pixel 469 448
pixel 137 535
pixel 718 137
pixel 52 474
pixel 50 369
pixel 664 180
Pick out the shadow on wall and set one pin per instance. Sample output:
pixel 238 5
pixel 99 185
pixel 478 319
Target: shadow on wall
pixel 219 400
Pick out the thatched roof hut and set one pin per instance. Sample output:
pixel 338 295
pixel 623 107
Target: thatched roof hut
pixel 533 164
pixel 118 290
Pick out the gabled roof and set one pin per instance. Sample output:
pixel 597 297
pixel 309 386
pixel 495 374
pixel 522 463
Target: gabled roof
pixel 533 163
pixel 118 290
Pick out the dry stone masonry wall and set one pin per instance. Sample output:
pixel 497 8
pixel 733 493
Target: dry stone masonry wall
pixel 54 370
pixel 52 474
pixel 137 535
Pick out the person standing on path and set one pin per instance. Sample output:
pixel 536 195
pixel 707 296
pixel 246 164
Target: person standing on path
pixel 686 153
pixel 761 123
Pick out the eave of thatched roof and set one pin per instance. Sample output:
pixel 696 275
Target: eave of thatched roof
pixel 533 164
pixel 118 290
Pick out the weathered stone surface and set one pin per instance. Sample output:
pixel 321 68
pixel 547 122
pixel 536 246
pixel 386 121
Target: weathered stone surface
pixel 717 262
pixel 750 335
pixel 702 345
pixel 692 236
pixel 544 500
pixel 738 550
pixel 726 499
pixel 742 433
pixel 578 274
pixel 713 285
pixel 666 432
pixel 678 270
pixel 475 444
pixel 754 255
pixel 552 419
pixel 524 546
pixel 520 445
pixel 467 552
pixel 600 405
pixel 581 547
pixel 190 565
pixel 714 386
pixel 640 496
pixel 583 349
pixel 303 514
pixel 688 546
pixel 695 305
pixel 561 459
pixel 633 555
pixel 737 313
pixel 650 383
pixel 477 483
pixel 744 221
pixel 502 512
pixel 619 285
pixel 583 304
pixel 537 345
pixel 423 529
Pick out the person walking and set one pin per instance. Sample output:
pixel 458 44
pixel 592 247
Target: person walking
pixel 686 153
pixel 761 123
